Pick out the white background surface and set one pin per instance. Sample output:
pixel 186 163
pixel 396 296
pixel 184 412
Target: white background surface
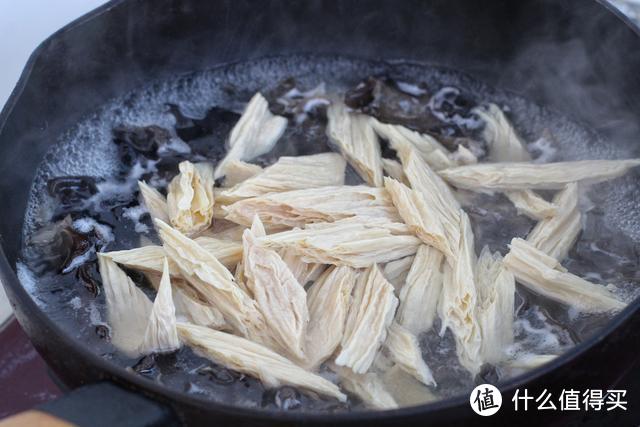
pixel 26 23
pixel 23 25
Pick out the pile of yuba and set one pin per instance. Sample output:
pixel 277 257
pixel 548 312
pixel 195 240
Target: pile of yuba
pixel 277 271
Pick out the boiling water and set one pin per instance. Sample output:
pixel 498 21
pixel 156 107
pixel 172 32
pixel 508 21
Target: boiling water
pixel 110 218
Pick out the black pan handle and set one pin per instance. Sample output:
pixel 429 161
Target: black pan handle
pixel 97 405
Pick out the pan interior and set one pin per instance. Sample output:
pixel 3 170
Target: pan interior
pixel 607 250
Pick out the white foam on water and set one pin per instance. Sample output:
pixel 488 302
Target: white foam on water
pixel 88 224
pixel 75 303
pixel 134 214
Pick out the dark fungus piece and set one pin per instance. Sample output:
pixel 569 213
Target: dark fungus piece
pixel 450 105
pixel 143 139
pixel 286 398
pixel 71 190
pixel 381 98
pixel 146 365
pixel 361 95
pixel 283 87
pixel 288 100
pixel 219 374
pixel 86 275
pixel 216 120
pixel 52 247
pixel 103 332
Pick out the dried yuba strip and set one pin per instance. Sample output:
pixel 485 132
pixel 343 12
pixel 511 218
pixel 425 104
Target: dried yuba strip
pixel 256 133
pixel 536 176
pixel 422 217
pixel 278 295
pixel 504 143
pixel 396 271
pixel 393 169
pixel 213 282
pixel 543 275
pixel 149 258
pixel 531 204
pixel 421 292
pixel 190 197
pixel 161 335
pixel 290 173
pixel 128 308
pixel 405 352
pixel 254 359
pixel 368 387
pixel 238 171
pixel 328 300
pixel 495 311
pixel 556 235
pixel 357 141
pixel 371 313
pixel 431 151
pixel 458 300
pixel 438 197
pixel 354 243
pixel 324 204
pixel 304 272
pixel 155 202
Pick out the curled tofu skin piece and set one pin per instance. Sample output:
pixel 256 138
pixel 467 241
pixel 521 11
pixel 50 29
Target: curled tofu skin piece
pixel 213 282
pixel 421 292
pixel 278 295
pixel 304 272
pixel 463 156
pixel 405 388
pixel 495 310
pixel 371 313
pixel 536 176
pixel 556 235
pixel 544 275
pixel 196 312
pixel 396 272
pixel 256 133
pixel 393 169
pixel 242 355
pixel 506 146
pixel 422 217
pixel 429 149
pixel 154 201
pixel 328 299
pixel 436 199
pixel 405 352
pixel 188 304
pixel 353 134
pixel 531 204
pixel 150 258
pixel 323 204
pixel 190 198
pixel 128 308
pixel 238 171
pixel 458 300
pixel 458 297
pixel 357 243
pixel 290 173
pixel 369 387
pixel 502 140
pixel 161 335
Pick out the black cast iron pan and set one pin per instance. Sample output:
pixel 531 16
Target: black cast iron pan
pixel 125 43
